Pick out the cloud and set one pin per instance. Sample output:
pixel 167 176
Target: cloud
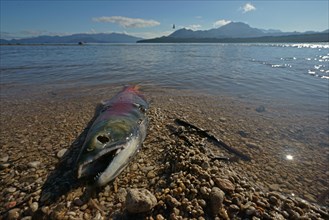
pixel 220 23
pixel 248 7
pixel 193 27
pixel 128 22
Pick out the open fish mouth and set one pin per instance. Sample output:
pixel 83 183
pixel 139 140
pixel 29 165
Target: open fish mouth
pixel 94 168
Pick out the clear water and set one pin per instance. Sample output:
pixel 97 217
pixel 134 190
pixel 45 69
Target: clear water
pixel 290 73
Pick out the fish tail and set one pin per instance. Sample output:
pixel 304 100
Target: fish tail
pixel 133 88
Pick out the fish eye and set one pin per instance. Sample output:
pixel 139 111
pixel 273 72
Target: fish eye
pixel 103 139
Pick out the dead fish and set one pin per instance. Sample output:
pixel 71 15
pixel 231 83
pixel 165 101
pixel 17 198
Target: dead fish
pixel 114 138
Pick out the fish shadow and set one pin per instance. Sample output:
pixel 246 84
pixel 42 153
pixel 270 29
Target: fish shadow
pixel 63 178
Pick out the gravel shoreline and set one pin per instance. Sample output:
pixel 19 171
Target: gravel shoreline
pixel 39 139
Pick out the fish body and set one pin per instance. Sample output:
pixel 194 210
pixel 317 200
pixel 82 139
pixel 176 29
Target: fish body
pixel 114 137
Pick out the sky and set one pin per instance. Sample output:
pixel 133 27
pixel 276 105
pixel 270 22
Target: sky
pixel 149 19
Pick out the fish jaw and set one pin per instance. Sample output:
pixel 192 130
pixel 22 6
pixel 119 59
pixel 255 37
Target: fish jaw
pixel 119 162
pixel 90 164
pixel 123 156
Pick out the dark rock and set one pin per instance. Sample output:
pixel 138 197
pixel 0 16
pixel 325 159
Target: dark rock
pixel 216 198
pixel 260 109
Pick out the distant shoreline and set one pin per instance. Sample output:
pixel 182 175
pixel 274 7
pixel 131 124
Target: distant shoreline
pixel 301 38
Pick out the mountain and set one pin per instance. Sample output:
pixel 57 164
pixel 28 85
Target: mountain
pixel 230 30
pixel 238 32
pixel 75 38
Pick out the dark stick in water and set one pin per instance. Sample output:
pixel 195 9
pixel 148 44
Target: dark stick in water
pixel 213 139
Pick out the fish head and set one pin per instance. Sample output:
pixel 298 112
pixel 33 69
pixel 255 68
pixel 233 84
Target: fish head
pixel 103 142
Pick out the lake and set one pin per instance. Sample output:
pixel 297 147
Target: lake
pixel 297 73
pixel 272 99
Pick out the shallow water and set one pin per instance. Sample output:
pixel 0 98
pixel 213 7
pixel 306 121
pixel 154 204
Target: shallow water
pixel 269 99
pixel 289 72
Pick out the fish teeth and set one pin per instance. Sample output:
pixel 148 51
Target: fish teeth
pixel 97 176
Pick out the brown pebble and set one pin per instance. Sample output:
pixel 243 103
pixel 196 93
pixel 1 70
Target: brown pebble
pixel 233 210
pixel 13 214
pixel 225 185
pixel 159 217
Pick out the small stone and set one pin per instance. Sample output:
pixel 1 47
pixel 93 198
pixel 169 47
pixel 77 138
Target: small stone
pixel 233 210
pixel 34 206
pixel 121 195
pixel 202 203
pixel 78 202
pixel 250 211
pixel 225 184
pixel 243 133
pixel 260 109
pixel 86 216
pixel 11 190
pixel 140 200
pixel 147 169
pixel 252 145
pixel 204 191
pixel 274 187
pixel 159 217
pixel 134 167
pixel 4 159
pixel 151 174
pixel 4 166
pixel 309 197
pixel 273 200
pixel 171 201
pixel 13 214
pixel 216 198
pixel 84 207
pixel 34 164
pixel 222 119
pixel 61 153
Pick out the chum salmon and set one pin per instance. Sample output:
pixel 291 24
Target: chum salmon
pixel 114 138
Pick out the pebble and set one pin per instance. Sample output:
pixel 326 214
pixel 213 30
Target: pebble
pixel 216 198
pixel 34 206
pixel 233 210
pixel 151 174
pixel 121 195
pixel 4 159
pixel 260 109
pixel 4 166
pixel 250 211
pixel 140 200
pixel 225 184
pixel 222 119
pixel 274 187
pixel 11 190
pixel 34 164
pixel 61 153
pixel 252 145
pixel 243 133
pixel 13 214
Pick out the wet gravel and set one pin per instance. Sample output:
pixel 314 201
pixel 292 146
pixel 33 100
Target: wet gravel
pixel 170 178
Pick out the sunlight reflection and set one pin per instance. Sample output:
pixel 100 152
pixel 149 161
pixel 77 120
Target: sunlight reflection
pixel 289 157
